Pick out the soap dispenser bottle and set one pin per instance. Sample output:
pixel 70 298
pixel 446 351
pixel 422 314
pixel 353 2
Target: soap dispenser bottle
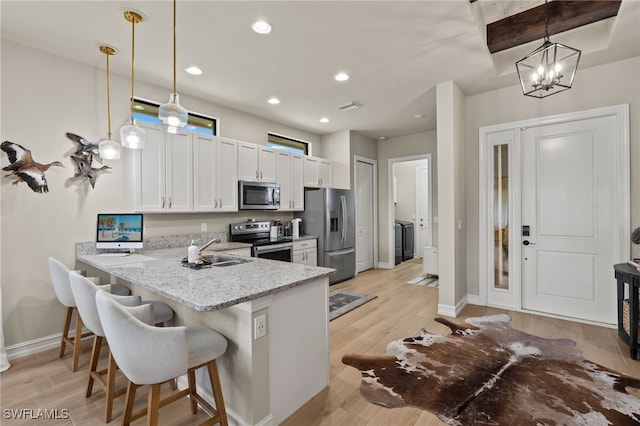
pixel 192 253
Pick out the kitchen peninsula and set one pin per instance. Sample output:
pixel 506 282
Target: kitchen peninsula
pixel 264 379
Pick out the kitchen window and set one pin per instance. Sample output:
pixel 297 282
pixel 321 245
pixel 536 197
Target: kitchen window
pixel 148 112
pixel 288 144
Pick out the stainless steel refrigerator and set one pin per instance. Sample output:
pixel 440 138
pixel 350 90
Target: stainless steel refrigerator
pixel 330 214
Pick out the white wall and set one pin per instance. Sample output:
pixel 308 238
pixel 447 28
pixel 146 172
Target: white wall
pixel 606 85
pixel 44 96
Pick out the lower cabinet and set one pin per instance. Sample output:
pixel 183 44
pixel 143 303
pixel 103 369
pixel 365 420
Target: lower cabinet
pixel 305 252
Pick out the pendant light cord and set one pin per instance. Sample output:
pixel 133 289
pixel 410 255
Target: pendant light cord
pixel 174 47
pixel 133 44
pixel 107 53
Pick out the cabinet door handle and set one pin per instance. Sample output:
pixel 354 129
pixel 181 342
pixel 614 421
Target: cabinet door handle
pixel 169 202
pixel 220 203
pixel 163 202
pixel 215 203
pixel 260 174
pixel 257 174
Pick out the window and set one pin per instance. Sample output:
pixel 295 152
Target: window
pixel 148 112
pixel 288 144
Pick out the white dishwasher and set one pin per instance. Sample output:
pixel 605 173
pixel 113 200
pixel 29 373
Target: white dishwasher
pixel 430 260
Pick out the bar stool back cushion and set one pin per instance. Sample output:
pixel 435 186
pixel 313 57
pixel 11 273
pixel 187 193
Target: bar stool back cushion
pixel 84 292
pixel 145 354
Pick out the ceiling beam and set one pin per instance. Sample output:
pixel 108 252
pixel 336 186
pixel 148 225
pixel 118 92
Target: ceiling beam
pixel 563 15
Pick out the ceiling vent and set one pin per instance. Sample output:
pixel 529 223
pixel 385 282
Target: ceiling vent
pixel 348 107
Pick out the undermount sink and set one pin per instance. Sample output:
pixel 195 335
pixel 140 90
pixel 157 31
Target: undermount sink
pixel 220 261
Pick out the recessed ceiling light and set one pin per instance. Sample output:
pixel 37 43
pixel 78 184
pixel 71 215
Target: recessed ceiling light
pixel 273 101
pixel 341 76
pixel 193 70
pixel 261 27
pixel 382 138
pixel 418 116
pixel 324 120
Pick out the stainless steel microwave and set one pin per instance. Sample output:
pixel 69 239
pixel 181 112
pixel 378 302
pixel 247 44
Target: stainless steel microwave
pixel 258 195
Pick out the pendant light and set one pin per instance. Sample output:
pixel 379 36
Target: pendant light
pixel 108 148
pixel 172 115
pixel 132 136
pixel 549 69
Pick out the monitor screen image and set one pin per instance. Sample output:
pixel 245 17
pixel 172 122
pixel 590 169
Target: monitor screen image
pixel 119 231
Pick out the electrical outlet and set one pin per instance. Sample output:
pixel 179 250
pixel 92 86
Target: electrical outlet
pixel 203 227
pixel 259 327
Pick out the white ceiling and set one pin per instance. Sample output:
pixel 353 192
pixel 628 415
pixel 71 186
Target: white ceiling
pixel 396 52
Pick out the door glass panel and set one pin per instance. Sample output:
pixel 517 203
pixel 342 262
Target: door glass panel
pixel 501 216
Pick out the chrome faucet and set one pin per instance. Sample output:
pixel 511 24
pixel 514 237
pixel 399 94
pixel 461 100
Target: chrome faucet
pixel 215 240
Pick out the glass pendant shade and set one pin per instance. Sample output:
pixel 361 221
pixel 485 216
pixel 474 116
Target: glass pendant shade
pixel 548 70
pixel 173 115
pixel 132 136
pixel 109 149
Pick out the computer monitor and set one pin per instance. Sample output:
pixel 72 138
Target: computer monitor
pixel 119 231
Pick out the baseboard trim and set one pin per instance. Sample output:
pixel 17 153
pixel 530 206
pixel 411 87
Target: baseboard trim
pixel 32 347
pixel 233 418
pixel 452 311
pixel 474 299
pixel 385 265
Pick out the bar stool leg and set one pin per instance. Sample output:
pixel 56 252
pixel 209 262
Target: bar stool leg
pixel 65 332
pixel 95 356
pixel 77 341
pixel 212 367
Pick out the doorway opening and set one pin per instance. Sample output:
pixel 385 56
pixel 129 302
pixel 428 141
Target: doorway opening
pixel 411 203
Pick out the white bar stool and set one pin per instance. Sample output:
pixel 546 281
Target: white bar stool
pixel 59 275
pixel 84 292
pixel 152 355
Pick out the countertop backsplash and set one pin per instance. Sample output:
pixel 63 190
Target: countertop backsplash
pixel 160 242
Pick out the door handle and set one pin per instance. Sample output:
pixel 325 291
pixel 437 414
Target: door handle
pixel 527 242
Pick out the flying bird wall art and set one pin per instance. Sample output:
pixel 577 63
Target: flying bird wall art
pixel 83 157
pixel 84 169
pixel 24 169
pixel 84 147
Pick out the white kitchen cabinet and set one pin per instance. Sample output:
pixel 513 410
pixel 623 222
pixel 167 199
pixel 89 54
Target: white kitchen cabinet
pixel 159 178
pixel 289 170
pixel 215 177
pixel 305 252
pixel 256 162
pixel 317 172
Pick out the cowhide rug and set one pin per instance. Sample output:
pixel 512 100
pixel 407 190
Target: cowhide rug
pixel 487 373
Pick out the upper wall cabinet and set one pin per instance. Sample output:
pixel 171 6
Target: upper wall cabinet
pixel 289 176
pixel 256 162
pixel 159 178
pixel 317 172
pixel 215 172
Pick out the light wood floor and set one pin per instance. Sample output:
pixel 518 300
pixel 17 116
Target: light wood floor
pixel 43 381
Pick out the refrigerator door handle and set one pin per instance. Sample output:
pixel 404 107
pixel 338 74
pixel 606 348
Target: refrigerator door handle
pixel 343 205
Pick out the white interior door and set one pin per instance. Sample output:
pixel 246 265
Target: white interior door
pixel 570 211
pixel 364 216
pixel 423 209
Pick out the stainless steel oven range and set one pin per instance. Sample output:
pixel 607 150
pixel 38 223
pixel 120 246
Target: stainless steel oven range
pixel 257 234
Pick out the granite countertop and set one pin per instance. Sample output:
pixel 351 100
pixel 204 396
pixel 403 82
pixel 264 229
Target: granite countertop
pixel 207 289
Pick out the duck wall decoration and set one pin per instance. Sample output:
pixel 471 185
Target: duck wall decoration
pixel 84 170
pixel 24 168
pixel 84 147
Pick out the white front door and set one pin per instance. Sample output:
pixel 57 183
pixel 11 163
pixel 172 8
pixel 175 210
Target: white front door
pixel 423 208
pixel 571 212
pixel 364 216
